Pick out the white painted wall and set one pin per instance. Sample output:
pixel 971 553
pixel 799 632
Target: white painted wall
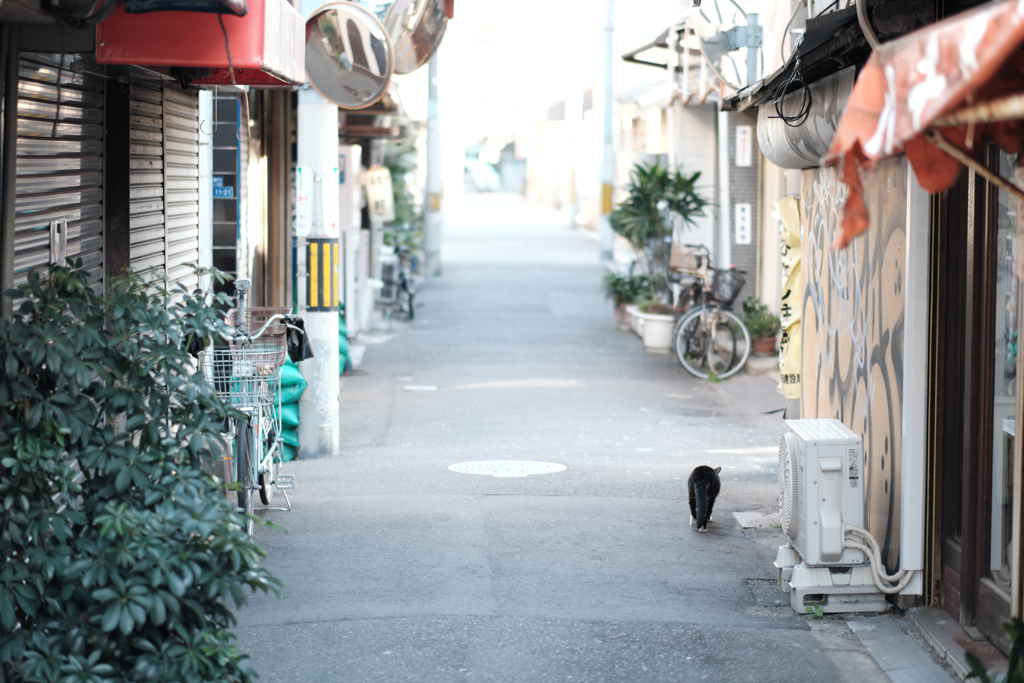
pixel 773 188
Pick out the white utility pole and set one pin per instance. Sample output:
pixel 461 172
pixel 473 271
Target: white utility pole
pixel 318 227
pixel 433 218
pixel 573 122
pixel 608 161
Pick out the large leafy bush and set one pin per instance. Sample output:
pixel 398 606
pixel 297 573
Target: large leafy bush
pixel 644 218
pixel 120 557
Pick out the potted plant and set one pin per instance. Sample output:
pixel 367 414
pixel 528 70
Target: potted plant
pixel 763 326
pixel 657 322
pixel 622 290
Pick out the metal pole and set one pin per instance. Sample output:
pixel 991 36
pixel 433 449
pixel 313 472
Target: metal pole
pixel 753 48
pixel 433 219
pixel 608 161
pixel 672 115
pixel 10 170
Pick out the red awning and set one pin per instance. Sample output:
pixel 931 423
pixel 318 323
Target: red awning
pixel 921 82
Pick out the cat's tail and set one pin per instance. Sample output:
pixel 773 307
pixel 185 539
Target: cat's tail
pixel 702 506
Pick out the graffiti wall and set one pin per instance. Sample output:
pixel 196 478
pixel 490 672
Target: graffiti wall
pixel 853 330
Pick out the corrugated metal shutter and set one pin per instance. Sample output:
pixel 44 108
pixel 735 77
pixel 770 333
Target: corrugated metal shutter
pixel 60 163
pixel 181 184
pixel 146 130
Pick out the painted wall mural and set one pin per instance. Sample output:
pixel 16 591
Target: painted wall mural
pixel 853 330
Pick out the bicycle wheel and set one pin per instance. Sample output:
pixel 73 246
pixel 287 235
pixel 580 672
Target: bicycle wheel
pixel 730 345
pixel 268 466
pixel 692 343
pixel 244 474
pixel 713 344
pixel 266 480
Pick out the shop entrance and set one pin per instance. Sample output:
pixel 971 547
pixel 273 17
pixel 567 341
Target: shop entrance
pixel 975 389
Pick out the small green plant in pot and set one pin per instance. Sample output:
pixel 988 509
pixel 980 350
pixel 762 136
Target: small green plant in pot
pixel 623 290
pixel 762 324
pixel 654 305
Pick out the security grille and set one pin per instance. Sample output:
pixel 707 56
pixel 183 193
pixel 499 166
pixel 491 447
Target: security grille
pixel 59 205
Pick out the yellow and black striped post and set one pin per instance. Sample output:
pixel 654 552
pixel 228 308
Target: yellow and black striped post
pixel 322 264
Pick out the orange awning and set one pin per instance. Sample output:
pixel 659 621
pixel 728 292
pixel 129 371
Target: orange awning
pixel 922 85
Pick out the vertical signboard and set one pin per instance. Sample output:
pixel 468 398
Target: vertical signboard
pixel 744 145
pixel 330 198
pixel 380 198
pixel 743 231
pixel 303 201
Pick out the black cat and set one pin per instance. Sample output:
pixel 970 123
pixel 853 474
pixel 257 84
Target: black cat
pixel 704 485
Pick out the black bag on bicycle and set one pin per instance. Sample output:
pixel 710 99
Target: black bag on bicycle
pixel 298 342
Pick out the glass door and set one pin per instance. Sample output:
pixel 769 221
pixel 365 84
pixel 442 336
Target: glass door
pixel 226 186
pixel 996 466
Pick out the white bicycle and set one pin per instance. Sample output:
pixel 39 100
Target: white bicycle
pixel 246 375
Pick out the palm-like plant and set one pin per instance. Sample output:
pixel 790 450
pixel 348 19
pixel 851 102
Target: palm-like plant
pixel 645 217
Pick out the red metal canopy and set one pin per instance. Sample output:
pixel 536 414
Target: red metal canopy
pixel 267 45
pixel 926 92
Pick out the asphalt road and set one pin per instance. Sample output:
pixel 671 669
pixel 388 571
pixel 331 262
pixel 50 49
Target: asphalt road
pixel 397 569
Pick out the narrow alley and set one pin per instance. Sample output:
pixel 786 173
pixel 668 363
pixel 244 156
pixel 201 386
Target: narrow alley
pixel 397 568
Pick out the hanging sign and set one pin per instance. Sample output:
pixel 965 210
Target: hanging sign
pixel 379 195
pixel 303 201
pixel 330 198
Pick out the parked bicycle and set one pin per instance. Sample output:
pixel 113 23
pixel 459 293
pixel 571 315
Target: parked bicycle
pixel 246 375
pixel 710 340
pixel 399 290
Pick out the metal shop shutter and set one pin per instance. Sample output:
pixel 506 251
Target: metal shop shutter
pixel 59 210
pixel 181 184
pixel 146 163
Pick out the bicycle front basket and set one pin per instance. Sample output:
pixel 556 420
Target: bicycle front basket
pixel 726 286
pixel 272 347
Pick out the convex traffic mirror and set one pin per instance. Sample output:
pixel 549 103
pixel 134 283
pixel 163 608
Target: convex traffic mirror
pixel 349 57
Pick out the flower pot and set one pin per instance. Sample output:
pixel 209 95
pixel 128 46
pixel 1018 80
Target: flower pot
pixel 621 319
pixel 633 319
pixel 657 331
pixel 765 346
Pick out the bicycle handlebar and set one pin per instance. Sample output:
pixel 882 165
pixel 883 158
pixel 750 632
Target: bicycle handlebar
pixel 243 336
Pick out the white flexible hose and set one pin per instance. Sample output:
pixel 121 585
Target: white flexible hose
pixel 865 25
pixel 874 555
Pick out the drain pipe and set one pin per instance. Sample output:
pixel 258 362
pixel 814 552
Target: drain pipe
pixel 9 170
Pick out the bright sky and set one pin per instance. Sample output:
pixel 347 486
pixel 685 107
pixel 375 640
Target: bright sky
pixel 503 62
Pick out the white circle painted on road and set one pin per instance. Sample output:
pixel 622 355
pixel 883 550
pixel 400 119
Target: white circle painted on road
pixel 507 468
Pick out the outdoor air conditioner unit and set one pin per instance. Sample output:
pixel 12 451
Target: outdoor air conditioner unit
pixel 821 499
pixel 821 463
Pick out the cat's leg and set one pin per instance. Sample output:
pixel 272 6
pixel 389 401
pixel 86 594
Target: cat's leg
pixel 693 508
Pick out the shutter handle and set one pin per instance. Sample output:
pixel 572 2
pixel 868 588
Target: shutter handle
pixel 59 242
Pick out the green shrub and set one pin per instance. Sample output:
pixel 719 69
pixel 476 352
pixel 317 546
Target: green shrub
pixel 120 553
pixel 644 218
pixel 623 289
pixel 760 321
